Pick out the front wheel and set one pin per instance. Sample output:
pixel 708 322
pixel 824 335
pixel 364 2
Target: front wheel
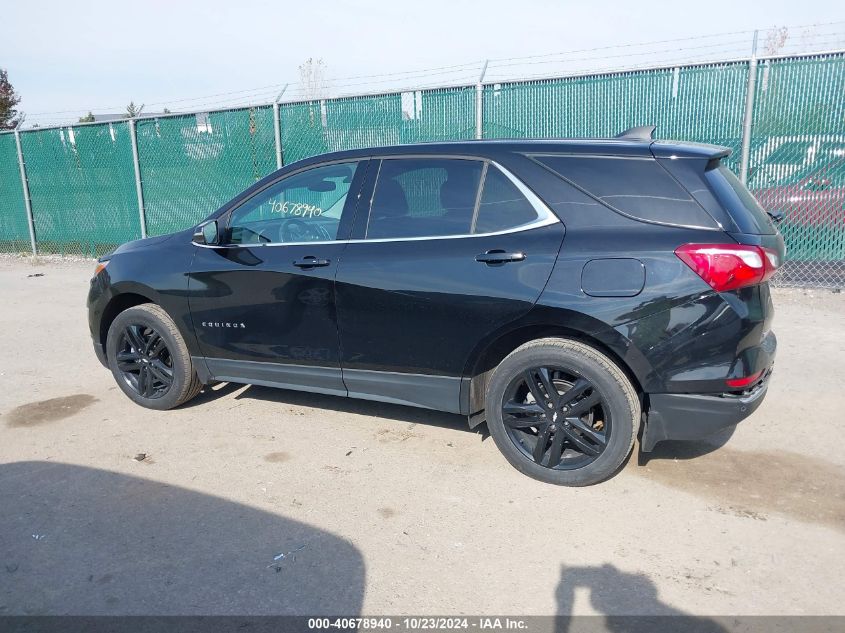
pixel 149 359
pixel 562 412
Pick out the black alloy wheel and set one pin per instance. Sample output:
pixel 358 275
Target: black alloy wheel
pixel 562 411
pixel 149 358
pixel 144 361
pixel 556 417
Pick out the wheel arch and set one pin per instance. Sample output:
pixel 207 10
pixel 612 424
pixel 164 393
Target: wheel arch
pixel 115 306
pixel 491 352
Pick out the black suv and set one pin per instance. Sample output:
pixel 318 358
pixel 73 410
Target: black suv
pixel 563 291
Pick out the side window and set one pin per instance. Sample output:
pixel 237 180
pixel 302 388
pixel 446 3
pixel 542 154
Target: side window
pixel 637 187
pixel 502 204
pixel 305 207
pixel 424 197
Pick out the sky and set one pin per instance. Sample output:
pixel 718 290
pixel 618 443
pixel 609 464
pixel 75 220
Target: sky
pixel 97 55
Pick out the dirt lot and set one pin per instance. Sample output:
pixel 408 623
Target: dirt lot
pixel 251 500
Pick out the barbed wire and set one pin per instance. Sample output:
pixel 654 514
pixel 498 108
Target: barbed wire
pixel 733 45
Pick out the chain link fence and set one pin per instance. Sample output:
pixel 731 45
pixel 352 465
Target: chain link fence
pixel 81 188
pixel 702 103
pixel 797 163
pixel 191 164
pixel 85 196
pixel 314 127
pixel 14 228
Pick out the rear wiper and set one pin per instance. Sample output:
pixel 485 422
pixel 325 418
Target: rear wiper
pixel 777 216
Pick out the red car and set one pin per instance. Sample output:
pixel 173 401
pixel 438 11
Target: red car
pixel 813 196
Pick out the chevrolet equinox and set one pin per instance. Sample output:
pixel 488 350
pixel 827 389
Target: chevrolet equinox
pixel 572 294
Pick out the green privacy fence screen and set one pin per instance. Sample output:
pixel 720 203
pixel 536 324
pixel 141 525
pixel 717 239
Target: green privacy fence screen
pixel 81 188
pixel 85 194
pixel 14 229
pixel 315 127
pixel 703 104
pixel 797 159
pixel 192 164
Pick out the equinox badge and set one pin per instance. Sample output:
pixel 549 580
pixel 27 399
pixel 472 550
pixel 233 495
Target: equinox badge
pixel 223 324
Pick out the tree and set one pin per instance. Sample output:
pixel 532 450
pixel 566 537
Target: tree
pixel 8 100
pixel 88 118
pixel 312 79
pixel 132 110
pixel 166 111
pixel 775 40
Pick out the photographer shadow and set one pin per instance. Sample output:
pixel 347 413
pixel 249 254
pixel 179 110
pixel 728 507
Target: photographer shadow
pixel 628 602
pixel 84 541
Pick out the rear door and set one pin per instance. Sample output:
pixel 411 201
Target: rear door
pixel 451 251
pixel 262 303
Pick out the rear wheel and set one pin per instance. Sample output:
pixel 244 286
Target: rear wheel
pixel 562 412
pixel 149 359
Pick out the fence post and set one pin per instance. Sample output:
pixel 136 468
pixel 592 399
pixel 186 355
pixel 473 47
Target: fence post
pixel 479 97
pixel 138 188
pixel 25 184
pixel 277 127
pixel 749 113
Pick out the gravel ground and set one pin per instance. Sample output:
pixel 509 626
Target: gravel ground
pixel 252 500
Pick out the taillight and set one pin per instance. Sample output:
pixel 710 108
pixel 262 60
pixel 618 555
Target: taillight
pixel 739 383
pixel 729 266
pixel 101 266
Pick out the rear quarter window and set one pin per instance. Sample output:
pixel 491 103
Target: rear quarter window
pixel 502 205
pixel 636 187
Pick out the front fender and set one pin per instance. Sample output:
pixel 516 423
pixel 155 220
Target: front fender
pixel 157 273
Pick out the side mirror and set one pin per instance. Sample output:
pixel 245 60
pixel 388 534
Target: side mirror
pixel 207 233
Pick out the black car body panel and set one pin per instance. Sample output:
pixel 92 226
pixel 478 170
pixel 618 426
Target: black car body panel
pixel 423 321
pixel 691 416
pixel 153 269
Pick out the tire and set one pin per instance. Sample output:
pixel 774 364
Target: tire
pixel 592 445
pixel 137 328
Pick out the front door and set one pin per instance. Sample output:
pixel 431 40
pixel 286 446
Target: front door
pixel 262 303
pixel 452 251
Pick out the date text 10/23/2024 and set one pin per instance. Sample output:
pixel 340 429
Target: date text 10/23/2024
pixel 420 623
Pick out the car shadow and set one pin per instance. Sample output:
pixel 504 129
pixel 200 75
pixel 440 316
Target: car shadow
pixel 628 601
pixel 370 408
pixel 76 540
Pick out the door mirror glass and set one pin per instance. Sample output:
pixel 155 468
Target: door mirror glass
pixel 207 233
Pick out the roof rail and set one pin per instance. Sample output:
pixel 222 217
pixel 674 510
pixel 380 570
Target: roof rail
pixel 638 133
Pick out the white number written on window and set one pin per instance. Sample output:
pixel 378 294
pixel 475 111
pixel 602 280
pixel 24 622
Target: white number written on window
pixel 298 209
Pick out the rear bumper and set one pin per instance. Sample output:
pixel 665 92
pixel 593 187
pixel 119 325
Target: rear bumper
pixel 683 416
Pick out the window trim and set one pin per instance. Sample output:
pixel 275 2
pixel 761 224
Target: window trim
pixel 545 216
pixel 482 181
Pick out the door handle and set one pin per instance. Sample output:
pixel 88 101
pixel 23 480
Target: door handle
pixel 311 262
pixel 497 256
